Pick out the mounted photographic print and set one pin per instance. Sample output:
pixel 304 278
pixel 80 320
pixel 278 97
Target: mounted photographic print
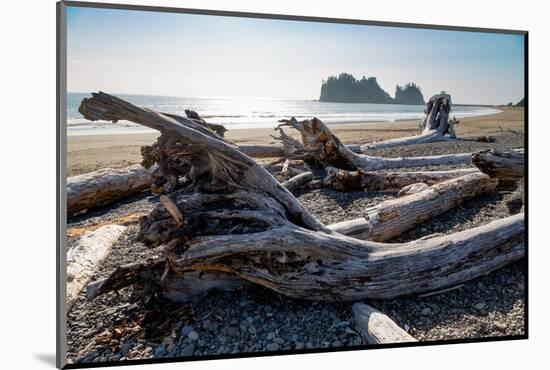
pixel 236 184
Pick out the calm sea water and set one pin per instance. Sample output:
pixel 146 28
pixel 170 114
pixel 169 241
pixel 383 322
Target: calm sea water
pixel 253 113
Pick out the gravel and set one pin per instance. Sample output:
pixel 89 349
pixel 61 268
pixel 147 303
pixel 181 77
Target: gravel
pixel 256 319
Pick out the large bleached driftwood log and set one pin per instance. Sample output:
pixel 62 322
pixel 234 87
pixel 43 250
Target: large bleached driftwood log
pixel 393 217
pixel 435 125
pixel 100 188
pixel 237 219
pixel 319 142
pixel 506 165
pixel 376 327
pixel 84 257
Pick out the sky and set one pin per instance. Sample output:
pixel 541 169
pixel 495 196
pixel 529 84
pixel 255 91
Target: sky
pixel 184 55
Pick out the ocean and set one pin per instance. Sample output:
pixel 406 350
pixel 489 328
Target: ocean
pixel 243 113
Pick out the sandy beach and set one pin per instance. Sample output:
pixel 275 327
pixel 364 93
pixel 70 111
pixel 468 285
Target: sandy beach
pixel 92 152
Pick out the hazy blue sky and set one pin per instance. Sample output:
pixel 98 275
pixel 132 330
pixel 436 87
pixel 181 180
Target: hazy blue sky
pixel 136 52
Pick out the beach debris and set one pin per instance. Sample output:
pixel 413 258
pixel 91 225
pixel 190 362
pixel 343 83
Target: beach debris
pixel 393 217
pixel 375 327
pixel 103 187
pixel 85 255
pixel 73 232
pixel 506 165
pixel 486 139
pixel 435 125
pixel 240 224
pixel 343 180
pixel 321 146
pixel 412 189
pixel 298 181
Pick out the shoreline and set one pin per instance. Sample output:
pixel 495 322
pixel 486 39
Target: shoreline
pixel 86 153
pixel 108 129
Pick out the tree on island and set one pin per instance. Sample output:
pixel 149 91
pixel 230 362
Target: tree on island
pixel 346 89
pixel 408 94
pixel 521 103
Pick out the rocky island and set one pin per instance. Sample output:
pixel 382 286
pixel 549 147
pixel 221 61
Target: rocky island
pixel 347 89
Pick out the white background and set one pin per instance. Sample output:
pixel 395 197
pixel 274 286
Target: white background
pixel 27 196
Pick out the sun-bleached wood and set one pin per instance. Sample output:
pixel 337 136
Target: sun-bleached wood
pixel 239 220
pixel 412 189
pixel 391 218
pixel 434 127
pixel 100 188
pixel 83 258
pixel 343 180
pixel 319 142
pixel 506 165
pixel 376 327
pixel 298 181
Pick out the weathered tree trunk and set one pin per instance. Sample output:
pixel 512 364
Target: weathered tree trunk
pixel 376 327
pixel 435 125
pixel 100 188
pixel 319 142
pixel 393 217
pixel 298 181
pixel 237 219
pixel 262 151
pixel 343 180
pixel 412 189
pixel 305 264
pixel 508 166
pixel 84 257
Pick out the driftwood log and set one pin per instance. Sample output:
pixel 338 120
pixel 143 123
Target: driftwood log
pixel 100 188
pixel 298 181
pixel 393 217
pixel 376 327
pixel 319 142
pixel 343 180
pixel 506 165
pixel 435 125
pixel 238 220
pixel 83 258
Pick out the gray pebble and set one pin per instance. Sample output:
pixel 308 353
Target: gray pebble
pixel 279 340
pixel 193 335
pixel 272 347
pixel 480 306
pixel 186 330
pixel 126 347
pixel 160 351
pixel 188 350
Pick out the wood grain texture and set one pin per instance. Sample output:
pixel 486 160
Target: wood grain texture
pixel 319 142
pixel 506 165
pixel 100 188
pixel 376 327
pixel 87 253
pixel 434 127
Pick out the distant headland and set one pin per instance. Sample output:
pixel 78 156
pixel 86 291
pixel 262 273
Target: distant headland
pixel 346 89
